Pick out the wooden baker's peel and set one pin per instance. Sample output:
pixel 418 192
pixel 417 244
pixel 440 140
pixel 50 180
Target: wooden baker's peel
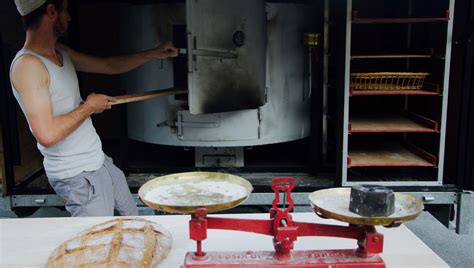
pixel 147 95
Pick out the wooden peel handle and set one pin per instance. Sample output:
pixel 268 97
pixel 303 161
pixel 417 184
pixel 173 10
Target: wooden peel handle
pixel 147 95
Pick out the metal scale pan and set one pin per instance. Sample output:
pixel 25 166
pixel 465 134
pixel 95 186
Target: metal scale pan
pixel 334 204
pixel 185 192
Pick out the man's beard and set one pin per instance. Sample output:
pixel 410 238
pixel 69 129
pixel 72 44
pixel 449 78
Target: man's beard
pixel 59 29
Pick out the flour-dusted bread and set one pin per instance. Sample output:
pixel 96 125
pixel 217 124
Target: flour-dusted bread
pixel 121 242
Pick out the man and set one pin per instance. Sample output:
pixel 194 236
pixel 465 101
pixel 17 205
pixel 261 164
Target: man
pixel 44 82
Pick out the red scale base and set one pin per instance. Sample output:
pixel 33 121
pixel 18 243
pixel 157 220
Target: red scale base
pixel 339 258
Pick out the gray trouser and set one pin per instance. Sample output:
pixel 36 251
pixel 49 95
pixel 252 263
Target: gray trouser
pixel 97 193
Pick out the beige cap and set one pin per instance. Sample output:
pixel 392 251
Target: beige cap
pixel 25 7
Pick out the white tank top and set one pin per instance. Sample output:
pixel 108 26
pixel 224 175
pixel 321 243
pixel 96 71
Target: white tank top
pixel 82 149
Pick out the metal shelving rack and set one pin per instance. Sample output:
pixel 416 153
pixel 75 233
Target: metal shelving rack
pixel 405 122
pixel 395 155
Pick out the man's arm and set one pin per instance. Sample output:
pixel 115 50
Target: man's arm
pixel 31 79
pixel 118 64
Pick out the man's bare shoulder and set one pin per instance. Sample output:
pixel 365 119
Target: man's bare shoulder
pixel 28 68
pixel 27 61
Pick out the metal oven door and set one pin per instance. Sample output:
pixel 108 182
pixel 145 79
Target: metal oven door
pixel 226 55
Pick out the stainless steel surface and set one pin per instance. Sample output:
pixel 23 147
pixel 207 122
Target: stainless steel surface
pixel 438 198
pixel 445 92
pixel 223 54
pixel 302 203
pixel 464 213
pixel 146 25
pixel 285 116
pixel 347 71
pixel 334 203
pixel 5 203
pixel 222 75
pixel 300 198
pixel 259 199
pixel 210 128
pixel 220 54
pixel 219 156
pixel 30 201
pixel 265 199
pixel 395 183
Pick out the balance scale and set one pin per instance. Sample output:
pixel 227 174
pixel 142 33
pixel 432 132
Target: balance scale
pixel 179 193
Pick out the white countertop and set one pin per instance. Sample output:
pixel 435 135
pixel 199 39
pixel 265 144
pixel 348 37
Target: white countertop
pixel 28 242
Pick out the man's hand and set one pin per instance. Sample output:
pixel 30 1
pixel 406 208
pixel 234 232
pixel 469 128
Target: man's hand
pixel 97 103
pixel 165 50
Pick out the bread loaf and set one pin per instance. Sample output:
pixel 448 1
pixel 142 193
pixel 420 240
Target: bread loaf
pixel 125 242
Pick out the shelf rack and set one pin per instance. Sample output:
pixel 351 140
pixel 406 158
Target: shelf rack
pixel 354 152
pixel 389 155
pixel 357 20
pixel 405 122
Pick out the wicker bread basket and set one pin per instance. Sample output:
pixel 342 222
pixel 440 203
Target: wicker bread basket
pixel 388 81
